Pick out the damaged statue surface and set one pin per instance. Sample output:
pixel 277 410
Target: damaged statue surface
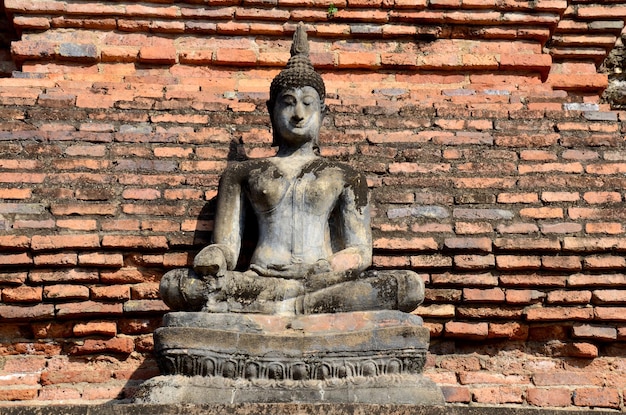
pixel 305 321
pixel 314 243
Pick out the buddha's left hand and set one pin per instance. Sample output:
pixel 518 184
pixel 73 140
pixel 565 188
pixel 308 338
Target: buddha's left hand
pixel 293 271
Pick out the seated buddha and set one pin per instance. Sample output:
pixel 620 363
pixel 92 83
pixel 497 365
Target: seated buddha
pixel 314 239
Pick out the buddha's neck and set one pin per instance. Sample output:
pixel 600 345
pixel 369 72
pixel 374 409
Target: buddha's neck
pixel 306 150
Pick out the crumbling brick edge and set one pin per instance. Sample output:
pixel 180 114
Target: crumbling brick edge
pixel 280 409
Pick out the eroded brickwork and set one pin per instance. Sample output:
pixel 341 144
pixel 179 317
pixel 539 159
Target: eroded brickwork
pixel 495 171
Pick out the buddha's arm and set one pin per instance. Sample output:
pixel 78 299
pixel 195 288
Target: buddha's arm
pixel 355 223
pixel 227 229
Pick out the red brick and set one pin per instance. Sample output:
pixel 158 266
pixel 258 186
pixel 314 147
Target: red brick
pixel 485 279
pixel 569 297
pixel 527 244
pixel 56 259
pixel 147 290
pixel 604 262
pixel 135 242
pixel 14 242
pixel 549 397
pixel 566 378
pixel 474 262
pixel 36 312
pixel 539 62
pixel 13 278
pixel 19 394
pixel 141 194
pixel 486 378
pixel 103 392
pixel 127 275
pixel 512 331
pixel 48 242
pixel 602 197
pixel 77 224
pixel 467 330
pixel 23 294
pixel 158 54
pixel 518 262
pixel 15 194
pixel 87 309
pixel 587 82
pixel 483 295
pixel 456 394
pixel 59 373
pixel 410 244
pixel 95 328
pixel 101 259
pixel 588 244
pixel 431 261
pixel 119 345
pixel 145 306
pixel 524 296
pixel 69 275
pixel 465 228
pixel 479 244
pixel 139 326
pixel 50 330
pixel 15 259
pixel 120 225
pixel 235 57
pixel 561 263
pixel 518 198
pixel 590 332
pixel 458 363
pixel 609 228
pixel 488 312
pixel 597 397
pixel 542 213
pixel 558 313
pixel 498 395
pixel 560 228
pixel 582 280
pixel 110 293
pixel 522 228
pixel 66 292
pixel 611 313
pixel 392 262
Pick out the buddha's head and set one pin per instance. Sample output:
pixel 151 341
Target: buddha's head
pixel 297 93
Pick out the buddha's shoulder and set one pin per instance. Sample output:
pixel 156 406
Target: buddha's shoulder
pixel 243 168
pixel 349 173
pixel 322 163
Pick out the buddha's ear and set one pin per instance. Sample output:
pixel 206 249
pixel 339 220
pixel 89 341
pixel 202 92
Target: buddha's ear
pixel 270 107
pixel 323 110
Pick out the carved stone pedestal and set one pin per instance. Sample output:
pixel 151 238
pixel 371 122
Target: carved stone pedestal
pixel 366 357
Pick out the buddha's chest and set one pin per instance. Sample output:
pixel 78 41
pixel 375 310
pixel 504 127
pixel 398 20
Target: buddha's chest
pixel 313 192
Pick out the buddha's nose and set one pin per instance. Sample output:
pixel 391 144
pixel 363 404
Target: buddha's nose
pixel 298 114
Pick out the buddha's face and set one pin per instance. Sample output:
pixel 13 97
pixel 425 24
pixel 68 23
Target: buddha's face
pixel 297 115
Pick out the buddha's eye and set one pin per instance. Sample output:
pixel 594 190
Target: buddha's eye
pixel 289 100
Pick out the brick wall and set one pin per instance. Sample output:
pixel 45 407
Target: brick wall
pixel 495 171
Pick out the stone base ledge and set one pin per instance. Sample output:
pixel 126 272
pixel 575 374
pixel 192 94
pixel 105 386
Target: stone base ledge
pixel 396 389
pixel 282 409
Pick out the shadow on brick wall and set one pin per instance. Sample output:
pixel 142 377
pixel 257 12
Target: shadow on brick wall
pixel 7 35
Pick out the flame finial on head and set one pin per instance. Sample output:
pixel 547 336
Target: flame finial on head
pixel 300 45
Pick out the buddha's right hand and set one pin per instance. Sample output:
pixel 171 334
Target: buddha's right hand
pixel 210 262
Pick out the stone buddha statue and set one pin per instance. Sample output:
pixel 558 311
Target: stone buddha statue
pixel 314 239
pixel 305 321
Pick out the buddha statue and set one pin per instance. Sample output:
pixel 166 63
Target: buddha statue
pixel 314 239
pixel 305 320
